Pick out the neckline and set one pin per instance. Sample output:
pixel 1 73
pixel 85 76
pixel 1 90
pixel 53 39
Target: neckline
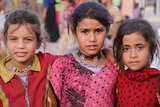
pixel 92 57
pixel 18 72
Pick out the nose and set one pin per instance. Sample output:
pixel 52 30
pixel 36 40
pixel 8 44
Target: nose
pixel 20 44
pixel 133 53
pixel 92 37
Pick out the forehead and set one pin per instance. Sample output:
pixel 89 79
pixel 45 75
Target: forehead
pixel 17 27
pixel 134 38
pixel 89 23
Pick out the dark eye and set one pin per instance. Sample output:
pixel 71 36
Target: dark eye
pixel 84 31
pixel 125 49
pixel 28 39
pixel 140 48
pixel 99 30
pixel 12 39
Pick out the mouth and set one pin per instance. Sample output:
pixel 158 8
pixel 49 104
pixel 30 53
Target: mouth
pixel 92 47
pixel 21 54
pixel 134 62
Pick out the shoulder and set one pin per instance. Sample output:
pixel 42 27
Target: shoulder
pixel 40 54
pixel 47 56
pixel 64 58
pixel 61 63
pixel 111 68
pixel 110 64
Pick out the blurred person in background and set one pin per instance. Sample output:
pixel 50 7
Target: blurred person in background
pixel 137 11
pixel 66 41
pixel 2 19
pixel 124 18
pixel 39 7
pixel 2 7
pixel 32 4
pixel 2 47
pixel 49 16
pixel 117 3
pixel 24 4
pixel 9 5
pixel 115 13
pixel 58 8
pixel 77 2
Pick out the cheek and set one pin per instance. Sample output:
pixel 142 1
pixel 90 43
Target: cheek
pixel 9 45
pixel 101 37
pixel 146 56
pixel 80 39
pixel 124 57
pixel 80 42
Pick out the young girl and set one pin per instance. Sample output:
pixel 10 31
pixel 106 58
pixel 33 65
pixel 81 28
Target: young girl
pixel 134 47
pixel 24 74
pixel 86 78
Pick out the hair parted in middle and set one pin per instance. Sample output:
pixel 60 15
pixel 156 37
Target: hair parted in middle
pixel 93 10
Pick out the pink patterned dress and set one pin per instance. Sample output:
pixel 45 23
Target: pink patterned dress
pixel 77 86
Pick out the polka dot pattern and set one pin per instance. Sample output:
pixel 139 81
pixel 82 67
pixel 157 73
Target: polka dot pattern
pixel 77 86
pixel 138 89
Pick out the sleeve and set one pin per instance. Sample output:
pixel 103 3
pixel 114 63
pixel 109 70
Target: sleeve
pixel 56 77
pixel 50 58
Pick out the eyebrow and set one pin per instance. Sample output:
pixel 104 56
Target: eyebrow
pixel 134 44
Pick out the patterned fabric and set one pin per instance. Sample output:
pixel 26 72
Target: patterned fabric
pixel 138 89
pixel 77 86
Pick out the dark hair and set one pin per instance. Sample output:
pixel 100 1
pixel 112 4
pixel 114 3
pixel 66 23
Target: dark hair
pixel 21 17
pixel 93 10
pixel 130 26
pixel 71 1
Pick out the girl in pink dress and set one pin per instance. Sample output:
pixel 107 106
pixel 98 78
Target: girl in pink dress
pixel 86 78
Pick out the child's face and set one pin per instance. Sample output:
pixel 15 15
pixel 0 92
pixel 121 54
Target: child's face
pixel 21 43
pixel 90 35
pixel 136 52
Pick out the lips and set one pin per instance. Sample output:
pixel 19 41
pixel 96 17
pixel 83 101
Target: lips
pixel 92 47
pixel 21 54
pixel 134 62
